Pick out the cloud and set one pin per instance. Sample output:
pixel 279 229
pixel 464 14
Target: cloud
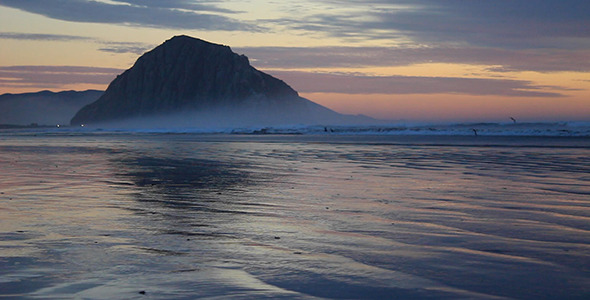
pixel 513 24
pixel 125 47
pixel 106 46
pixel 174 14
pixel 500 23
pixel 499 60
pixel 42 37
pixel 55 76
pixel 518 24
pixel 177 4
pixel 307 82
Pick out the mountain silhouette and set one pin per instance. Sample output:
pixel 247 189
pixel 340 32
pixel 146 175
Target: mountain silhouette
pixel 44 107
pixel 191 82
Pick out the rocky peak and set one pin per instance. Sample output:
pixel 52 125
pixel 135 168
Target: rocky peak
pixel 181 74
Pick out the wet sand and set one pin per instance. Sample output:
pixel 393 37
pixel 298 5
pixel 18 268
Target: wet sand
pixel 107 216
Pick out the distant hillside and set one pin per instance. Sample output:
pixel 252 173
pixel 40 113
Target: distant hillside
pixel 191 82
pixel 43 108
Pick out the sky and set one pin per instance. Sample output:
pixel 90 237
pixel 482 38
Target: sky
pixel 400 60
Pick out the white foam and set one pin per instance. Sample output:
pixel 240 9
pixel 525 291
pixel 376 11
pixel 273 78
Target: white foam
pixel 574 129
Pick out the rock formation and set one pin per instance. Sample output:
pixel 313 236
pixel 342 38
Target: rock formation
pixel 192 79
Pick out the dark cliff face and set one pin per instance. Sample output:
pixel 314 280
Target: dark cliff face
pixel 183 74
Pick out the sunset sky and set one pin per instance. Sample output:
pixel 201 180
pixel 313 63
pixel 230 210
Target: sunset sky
pixel 406 60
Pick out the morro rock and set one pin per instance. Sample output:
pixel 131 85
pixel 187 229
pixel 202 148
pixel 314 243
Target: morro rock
pixel 191 82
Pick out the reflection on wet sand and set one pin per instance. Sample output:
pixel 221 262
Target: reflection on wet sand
pixel 193 184
pixel 192 216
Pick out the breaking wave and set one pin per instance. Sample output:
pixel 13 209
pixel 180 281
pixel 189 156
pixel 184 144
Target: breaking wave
pixel 566 129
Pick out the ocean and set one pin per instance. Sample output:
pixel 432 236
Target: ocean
pixel 329 213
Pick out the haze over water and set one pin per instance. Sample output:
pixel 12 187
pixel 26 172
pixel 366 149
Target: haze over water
pixel 107 216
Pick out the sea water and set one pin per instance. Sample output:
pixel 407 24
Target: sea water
pixel 123 215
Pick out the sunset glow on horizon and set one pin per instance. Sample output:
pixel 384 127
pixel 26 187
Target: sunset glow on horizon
pixel 400 60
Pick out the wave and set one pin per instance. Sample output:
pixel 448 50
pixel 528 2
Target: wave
pixel 490 129
pixel 558 129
